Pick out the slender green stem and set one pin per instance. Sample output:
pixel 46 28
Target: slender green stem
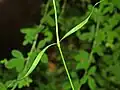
pixel 35 41
pixel 56 22
pixel 66 69
pixel 33 46
pixel 46 10
pixel 11 83
pixel 58 44
pixel 94 44
pixel 36 37
pixel 63 8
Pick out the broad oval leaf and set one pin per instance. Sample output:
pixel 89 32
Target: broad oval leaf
pixel 82 60
pixel 15 63
pixel 91 83
pixel 41 44
pixel 17 54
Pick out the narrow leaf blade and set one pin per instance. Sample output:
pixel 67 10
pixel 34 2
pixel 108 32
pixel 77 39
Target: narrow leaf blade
pixel 75 28
pixel 36 61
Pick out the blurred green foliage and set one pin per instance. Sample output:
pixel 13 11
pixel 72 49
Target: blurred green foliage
pixel 92 53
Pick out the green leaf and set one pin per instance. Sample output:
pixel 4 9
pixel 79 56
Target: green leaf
pixel 91 83
pixel 2 86
pixel 116 3
pixel 51 12
pixel 87 36
pixel 92 70
pixel 48 35
pixel 11 64
pixel 111 35
pixel 82 58
pixel 17 54
pixel 114 69
pixel 15 63
pixel 66 86
pixel 20 65
pixel 99 50
pixel 50 20
pixel 76 28
pixel 44 58
pixel 4 61
pixel 29 62
pixel 108 9
pixel 33 30
pixel 24 82
pixel 73 74
pixel 108 59
pixel 76 84
pixel 10 83
pixel 36 61
pixel 83 80
pixel 82 65
pixel 110 45
pixel 41 44
pixel 100 37
pixel 100 80
pixel 30 34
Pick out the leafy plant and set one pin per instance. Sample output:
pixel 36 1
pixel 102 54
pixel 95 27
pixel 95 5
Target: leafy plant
pixel 97 65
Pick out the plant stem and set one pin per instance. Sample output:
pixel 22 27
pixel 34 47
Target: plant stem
pixel 35 41
pixel 66 68
pixel 91 53
pixel 94 42
pixel 63 8
pixel 58 44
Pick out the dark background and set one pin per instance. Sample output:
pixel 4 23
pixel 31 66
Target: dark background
pixel 16 14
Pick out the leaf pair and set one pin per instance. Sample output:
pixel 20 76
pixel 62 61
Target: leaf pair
pixel 39 56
